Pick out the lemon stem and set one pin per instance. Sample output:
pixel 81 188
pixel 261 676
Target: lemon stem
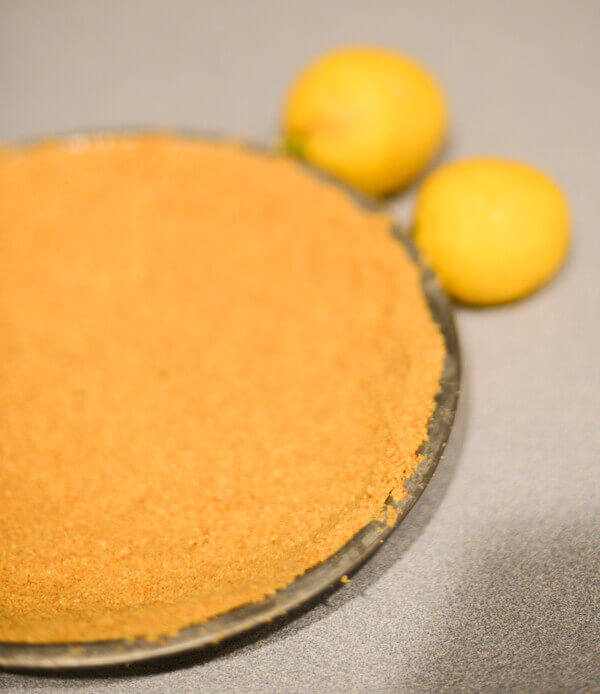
pixel 295 146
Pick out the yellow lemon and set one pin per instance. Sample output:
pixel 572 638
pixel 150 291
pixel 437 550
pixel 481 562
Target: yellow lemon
pixel 494 230
pixel 373 118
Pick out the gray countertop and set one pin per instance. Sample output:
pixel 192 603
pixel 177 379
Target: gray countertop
pixel 493 581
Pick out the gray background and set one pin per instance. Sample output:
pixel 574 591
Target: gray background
pixel 492 583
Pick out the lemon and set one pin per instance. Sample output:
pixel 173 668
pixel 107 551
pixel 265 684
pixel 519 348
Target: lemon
pixel 371 117
pixel 494 230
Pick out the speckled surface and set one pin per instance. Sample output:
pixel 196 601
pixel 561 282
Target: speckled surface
pixel 493 581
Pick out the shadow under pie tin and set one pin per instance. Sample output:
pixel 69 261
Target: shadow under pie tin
pixel 320 578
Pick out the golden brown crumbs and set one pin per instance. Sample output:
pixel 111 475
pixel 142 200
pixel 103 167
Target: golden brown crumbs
pixel 213 371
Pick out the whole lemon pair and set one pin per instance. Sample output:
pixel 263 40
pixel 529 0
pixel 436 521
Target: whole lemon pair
pixel 494 230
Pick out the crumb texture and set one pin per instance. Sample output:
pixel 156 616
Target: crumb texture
pixel 213 371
